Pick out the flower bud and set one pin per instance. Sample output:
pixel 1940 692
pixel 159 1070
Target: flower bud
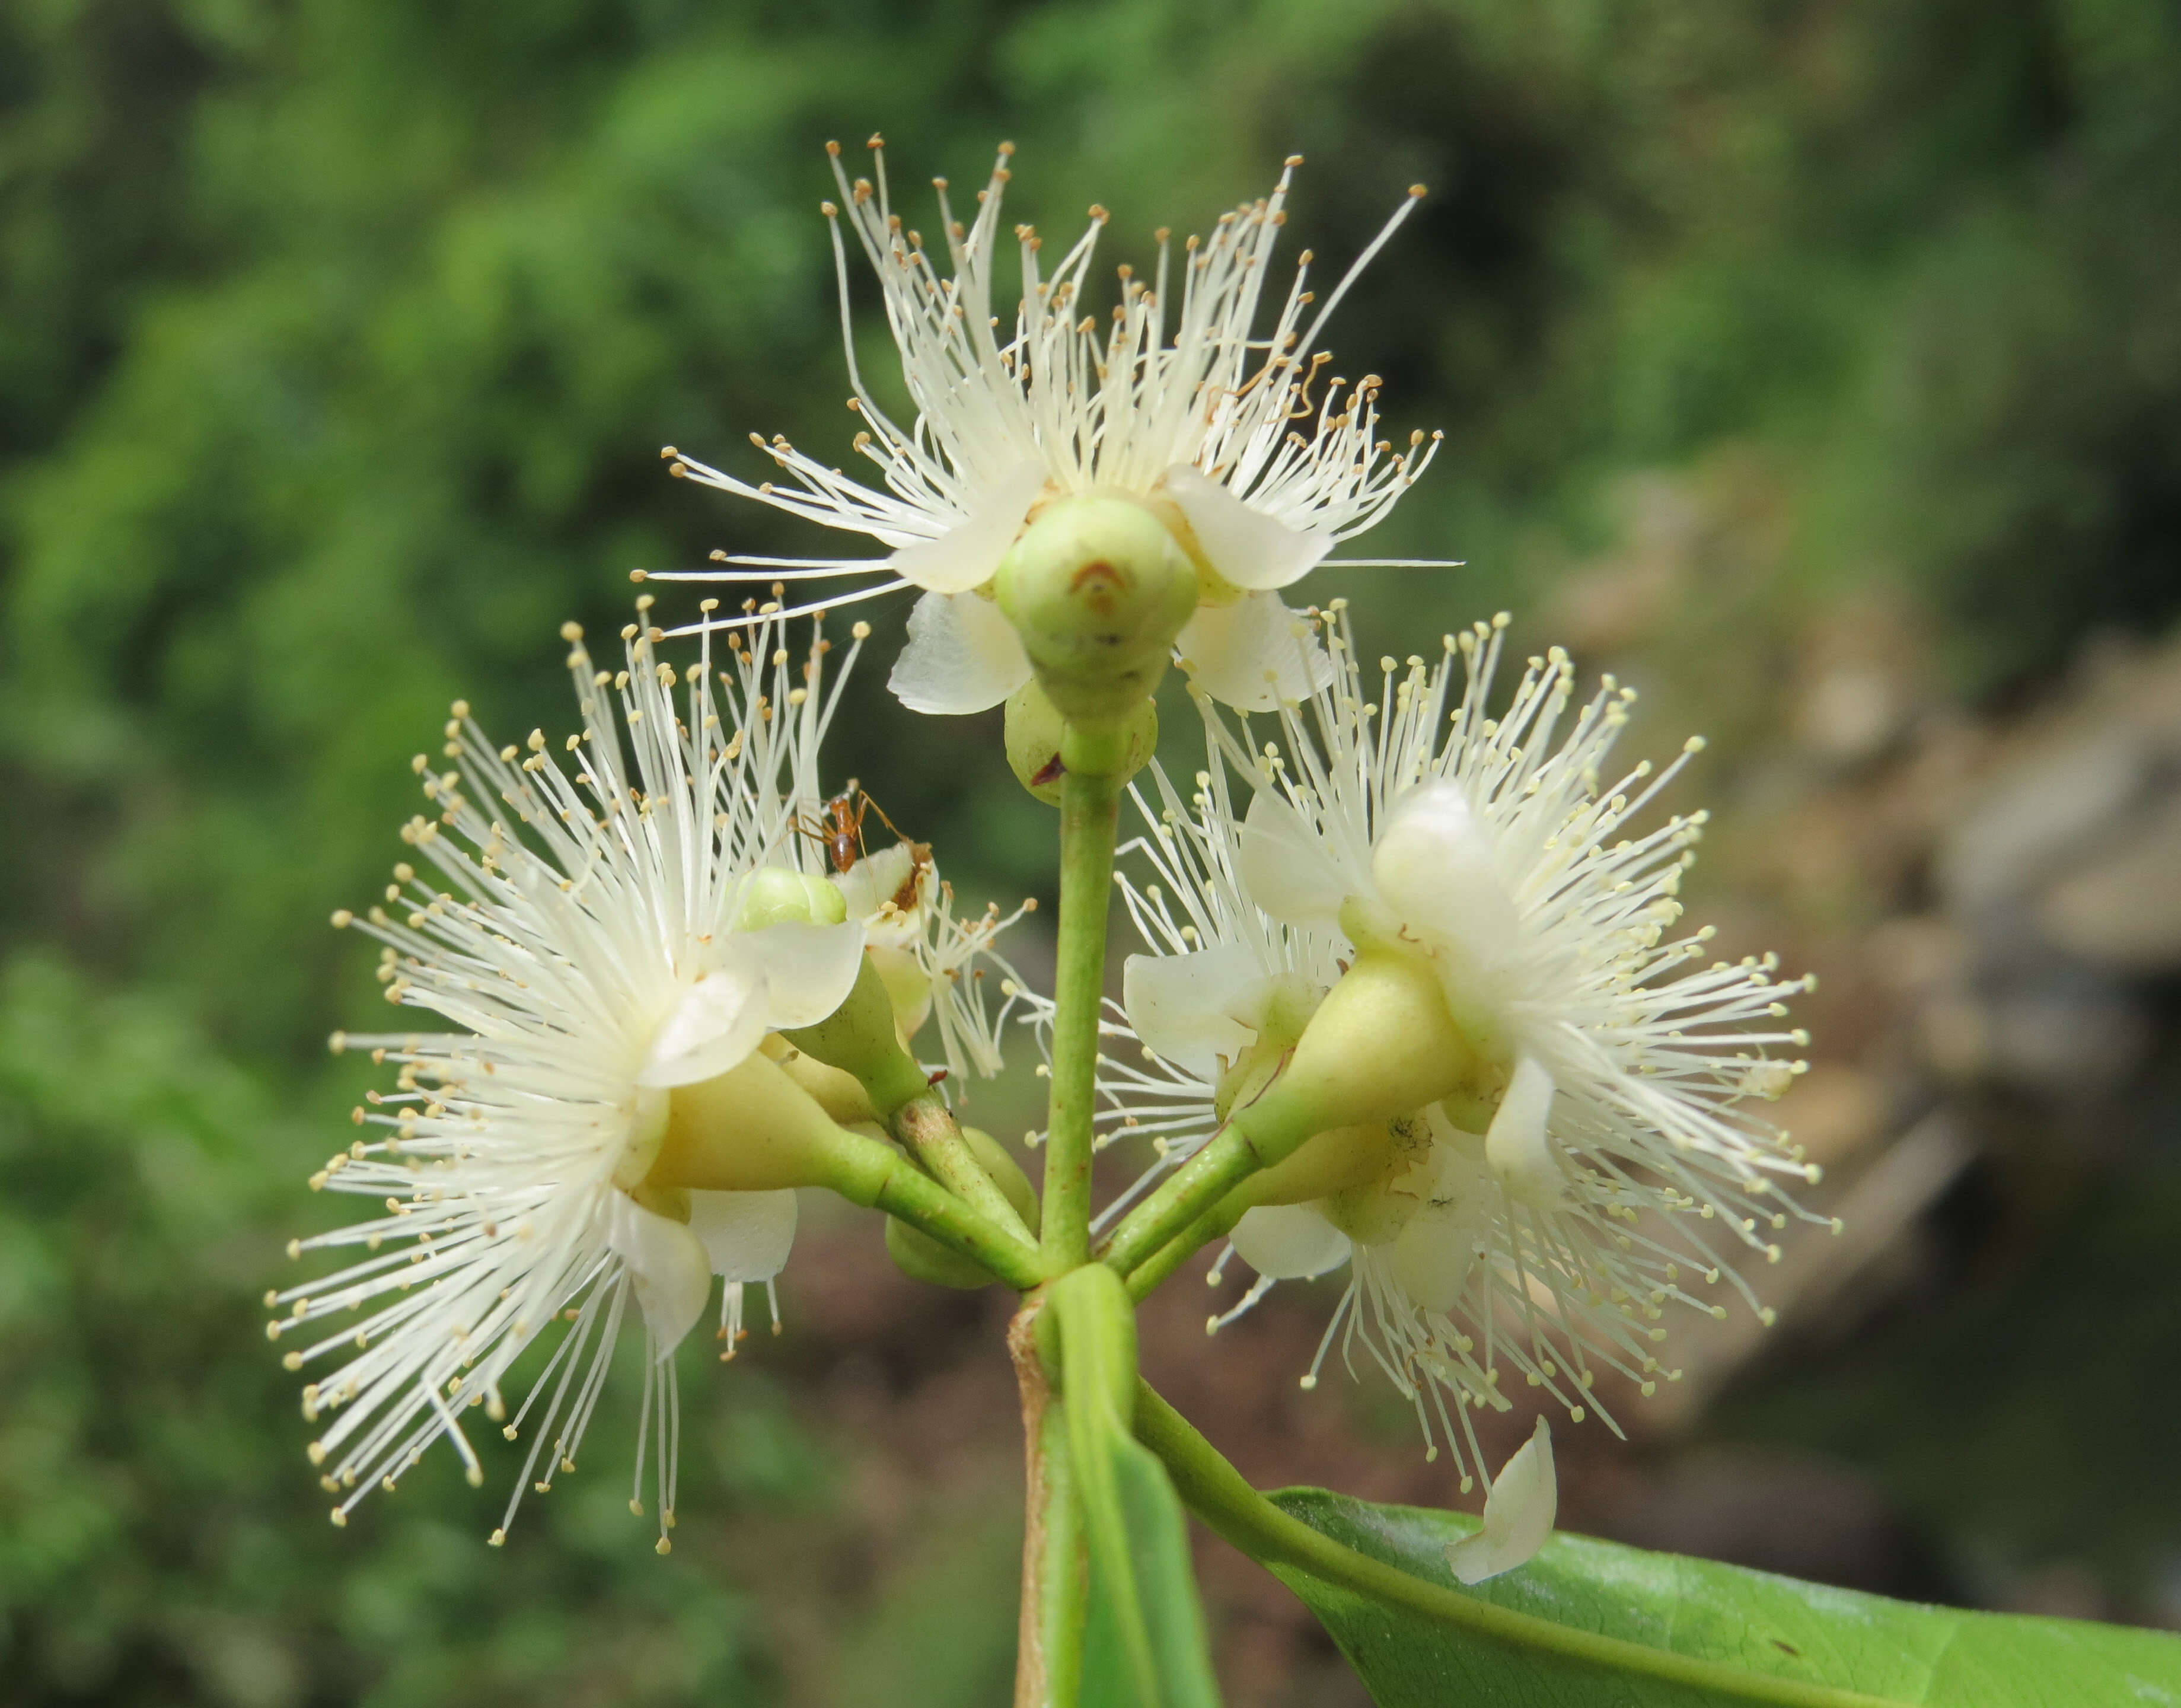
pixel 1034 731
pixel 1097 588
pixel 774 895
pixel 920 1257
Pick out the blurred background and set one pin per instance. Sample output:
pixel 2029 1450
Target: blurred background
pixel 1813 364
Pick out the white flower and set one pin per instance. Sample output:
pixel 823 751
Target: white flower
pixel 1544 1217
pixel 580 926
pixel 1236 438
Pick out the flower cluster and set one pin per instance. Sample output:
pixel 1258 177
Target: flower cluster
pixel 1414 991
pixel 1597 1151
pixel 648 912
pixel 1252 456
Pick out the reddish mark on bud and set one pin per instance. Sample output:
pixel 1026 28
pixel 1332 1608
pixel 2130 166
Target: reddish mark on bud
pixel 1099 582
pixel 937 1075
pixel 1050 771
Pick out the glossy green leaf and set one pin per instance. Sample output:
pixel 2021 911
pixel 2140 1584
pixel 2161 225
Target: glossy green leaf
pixel 1768 1639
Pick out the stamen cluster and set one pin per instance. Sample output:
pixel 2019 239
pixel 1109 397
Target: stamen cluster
pixel 574 916
pixel 1556 1256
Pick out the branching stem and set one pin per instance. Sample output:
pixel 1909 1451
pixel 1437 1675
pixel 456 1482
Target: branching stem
pixel 927 1127
pixel 867 1172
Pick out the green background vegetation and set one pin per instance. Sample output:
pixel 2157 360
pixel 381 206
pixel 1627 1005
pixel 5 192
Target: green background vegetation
pixel 337 341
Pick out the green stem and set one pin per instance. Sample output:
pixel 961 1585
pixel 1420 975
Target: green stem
pixel 1218 1495
pixel 1063 1592
pixel 1055 1578
pixel 1090 811
pixel 927 1127
pixel 866 1172
pixel 1192 1190
pixel 1218 1220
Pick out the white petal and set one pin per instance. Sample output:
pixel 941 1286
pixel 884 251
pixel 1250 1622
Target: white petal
pixel 667 1263
pixel 717 1022
pixel 966 556
pixel 963 655
pixel 1434 1255
pixel 1285 865
pixel 1434 866
pixel 1195 1008
pixel 1289 1242
pixel 1516 1147
pixel 809 970
pixel 1247 547
pixel 874 880
pixel 1518 1513
pixel 1249 656
pixel 746 1234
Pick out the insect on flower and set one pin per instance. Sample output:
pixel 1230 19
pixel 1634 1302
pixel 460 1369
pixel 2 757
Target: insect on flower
pixel 838 828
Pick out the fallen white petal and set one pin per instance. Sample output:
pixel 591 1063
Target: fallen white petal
pixel 1518 1513
pixel 1247 547
pixel 746 1236
pixel 966 556
pixel 1249 656
pixel 1434 866
pixel 717 1022
pixel 1289 1242
pixel 962 656
pixel 808 969
pixel 1193 1009
pixel 1284 864
pixel 668 1265
pixel 1517 1145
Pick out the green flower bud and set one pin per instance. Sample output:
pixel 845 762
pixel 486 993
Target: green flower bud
pixel 1034 729
pixel 920 1257
pixel 774 895
pixel 1097 587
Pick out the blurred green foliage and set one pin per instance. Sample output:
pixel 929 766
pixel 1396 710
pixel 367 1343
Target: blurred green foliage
pixel 337 340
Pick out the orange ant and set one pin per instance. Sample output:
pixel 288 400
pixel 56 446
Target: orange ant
pixel 840 828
